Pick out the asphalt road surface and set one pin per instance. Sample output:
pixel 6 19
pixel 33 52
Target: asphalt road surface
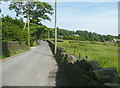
pixel 32 68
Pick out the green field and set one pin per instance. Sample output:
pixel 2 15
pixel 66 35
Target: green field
pixel 106 53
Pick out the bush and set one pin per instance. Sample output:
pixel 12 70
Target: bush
pixel 71 37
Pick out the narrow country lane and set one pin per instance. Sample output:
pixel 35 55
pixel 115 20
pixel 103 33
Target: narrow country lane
pixel 32 68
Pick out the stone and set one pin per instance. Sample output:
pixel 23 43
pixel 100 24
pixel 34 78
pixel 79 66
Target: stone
pixel 62 50
pixel 73 58
pixel 94 65
pixel 106 75
pixel 112 85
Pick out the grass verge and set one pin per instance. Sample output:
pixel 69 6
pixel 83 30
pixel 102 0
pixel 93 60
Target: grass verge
pixel 14 53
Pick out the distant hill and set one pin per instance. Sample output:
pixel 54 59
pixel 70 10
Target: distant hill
pixel 83 35
pixel 92 36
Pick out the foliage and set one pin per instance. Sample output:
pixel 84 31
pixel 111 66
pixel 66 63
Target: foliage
pixel 0 8
pixel 36 32
pixel 71 37
pixel 12 29
pixel 37 10
pixel 60 32
pixel 117 37
pixel 51 32
pixel 64 32
pixel 85 35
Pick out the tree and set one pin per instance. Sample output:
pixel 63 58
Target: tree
pixel 0 8
pixel 12 29
pixel 35 12
pixel 36 32
pixel 38 11
pixel 108 38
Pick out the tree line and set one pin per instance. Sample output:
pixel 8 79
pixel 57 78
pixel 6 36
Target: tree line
pixel 13 30
pixel 81 35
pixel 85 35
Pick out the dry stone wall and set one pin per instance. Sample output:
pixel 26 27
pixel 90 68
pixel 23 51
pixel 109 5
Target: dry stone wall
pixel 85 72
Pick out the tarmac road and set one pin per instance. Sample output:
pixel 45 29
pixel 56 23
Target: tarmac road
pixel 32 68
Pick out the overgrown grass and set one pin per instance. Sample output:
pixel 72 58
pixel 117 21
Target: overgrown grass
pixel 106 53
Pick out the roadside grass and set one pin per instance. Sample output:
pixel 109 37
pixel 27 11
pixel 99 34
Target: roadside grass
pixel 17 52
pixel 106 53
pixel 13 53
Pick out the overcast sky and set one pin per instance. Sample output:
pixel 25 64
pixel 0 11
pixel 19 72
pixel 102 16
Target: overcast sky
pixel 99 17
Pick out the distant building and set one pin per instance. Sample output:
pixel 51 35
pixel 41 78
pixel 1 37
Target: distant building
pixel 61 37
pixel 116 40
pixel 76 35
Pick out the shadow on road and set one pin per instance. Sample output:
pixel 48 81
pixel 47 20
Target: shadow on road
pixel 60 77
pixel 42 53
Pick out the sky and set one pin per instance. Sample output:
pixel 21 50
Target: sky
pixel 99 17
